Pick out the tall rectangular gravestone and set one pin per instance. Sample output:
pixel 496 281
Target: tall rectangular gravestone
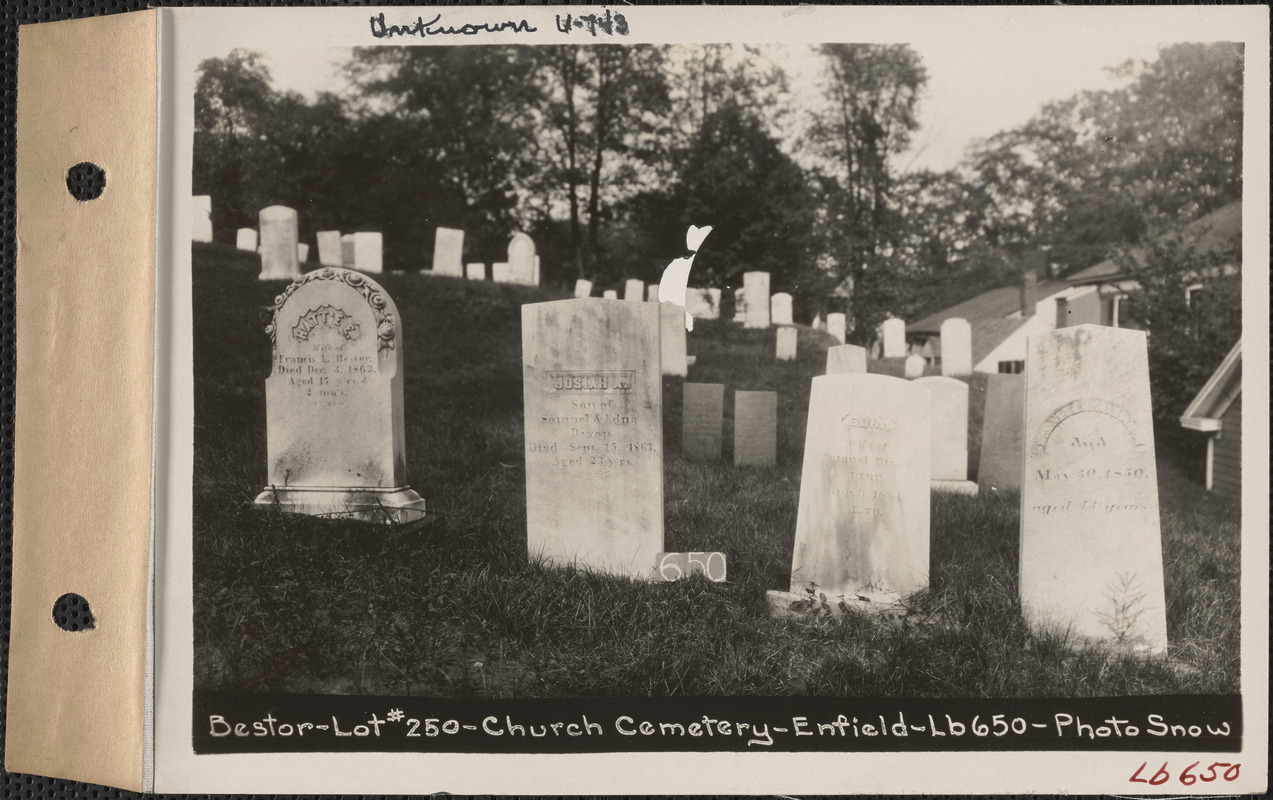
pixel 594 434
pixel 837 326
pixel 893 332
pixel 448 252
pixel 278 243
pixel 702 416
pixel 652 293
pixel 1002 438
pixel 302 252
pixel 329 248
pixel 846 358
pixel 780 309
pixel 369 252
pixel 956 347
pixel 787 339
pixel 756 285
pixel 672 339
pixel 755 429
pixel 583 288
pixel 633 290
pixel 201 218
pixel 521 260
pixel 862 524
pixel 1091 547
pixel 333 402
pixel 948 431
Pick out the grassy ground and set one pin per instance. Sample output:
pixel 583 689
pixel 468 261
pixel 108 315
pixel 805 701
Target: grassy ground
pixel 293 604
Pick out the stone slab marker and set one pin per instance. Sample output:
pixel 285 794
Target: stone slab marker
pixel 245 239
pixel 369 252
pixel 1002 438
pixel 893 332
pixel 534 278
pixel 786 350
pixel 740 305
pixel 610 294
pixel 672 344
pixel 1091 548
pixel 703 303
pixel 333 403
pixel 862 525
pixel 846 358
pixel 521 273
pixel 302 252
pixel 652 293
pixel 755 429
pixel 837 326
pixel 948 431
pixel 329 248
pixel 501 272
pixel 278 243
pixel 475 271
pixel 201 218
pixel 347 250
pixel 583 288
pixel 594 434
pixel 913 366
pixel 633 290
pixel 780 309
pixel 521 259
pixel 756 285
pixel 702 417
pixel 448 252
pixel 956 347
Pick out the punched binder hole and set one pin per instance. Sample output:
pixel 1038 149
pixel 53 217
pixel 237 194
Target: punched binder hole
pixel 71 613
pixel 86 181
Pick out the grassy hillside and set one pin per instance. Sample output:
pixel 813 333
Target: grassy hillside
pixel 454 608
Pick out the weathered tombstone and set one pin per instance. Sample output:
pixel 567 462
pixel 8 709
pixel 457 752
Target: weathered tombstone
pixel 703 303
pixel 756 284
pixel 913 366
pixel 333 403
pixel 633 289
pixel 893 331
pixel 672 344
pixel 448 252
pixel 702 416
pixel 534 278
pixel 1091 548
pixel 329 248
pixel 755 429
pixel 368 252
pixel 818 323
pixel 610 294
pixel 846 358
pixel 245 239
pixel 1001 434
pixel 594 434
pixel 948 416
pixel 347 250
pixel 278 243
pixel 780 309
pixel 475 271
pixel 583 288
pixel 862 525
pixel 956 347
pixel 652 293
pixel 740 305
pixel 501 272
pixel 786 350
pixel 521 258
pixel 201 218
pixel 836 326
pixel 302 252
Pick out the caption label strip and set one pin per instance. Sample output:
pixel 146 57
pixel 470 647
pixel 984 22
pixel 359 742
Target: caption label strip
pixel 274 723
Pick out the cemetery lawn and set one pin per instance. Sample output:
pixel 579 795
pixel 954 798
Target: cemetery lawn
pixel 454 608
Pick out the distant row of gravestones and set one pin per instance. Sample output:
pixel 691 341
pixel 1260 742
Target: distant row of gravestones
pixel 1090 553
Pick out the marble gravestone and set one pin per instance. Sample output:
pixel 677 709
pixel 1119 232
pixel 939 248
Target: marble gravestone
pixel 837 326
pixel 948 417
pixel 740 305
pixel 347 250
pixel 594 434
pixel 913 366
pixel 521 259
pixel 862 524
pixel 956 347
pixel 302 252
pixel 652 293
pixel 755 429
pixel 278 244
pixel 633 290
pixel 703 303
pixel 846 358
pixel 245 239
pixel 329 248
pixel 476 271
pixel 1001 434
pixel 583 288
pixel 501 272
pixel 780 309
pixel 893 332
pixel 448 252
pixel 333 402
pixel 702 417
pixel 534 276
pixel 368 252
pixel 756 285
pixel 521 273
pixel 672 339
pixel 786 349
pixel 1091 546
pixel 201 218
pixel 610 294
pixel 818 323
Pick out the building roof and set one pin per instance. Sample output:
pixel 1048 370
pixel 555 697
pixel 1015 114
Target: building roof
pixel 1215 232
pixel 992 305
pixel 1221 389
pixel 990 333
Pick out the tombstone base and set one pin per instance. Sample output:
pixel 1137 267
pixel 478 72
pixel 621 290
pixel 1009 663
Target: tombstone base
pixel 389 506
pixel 955 487
pixel 886 606
pixel 281 276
